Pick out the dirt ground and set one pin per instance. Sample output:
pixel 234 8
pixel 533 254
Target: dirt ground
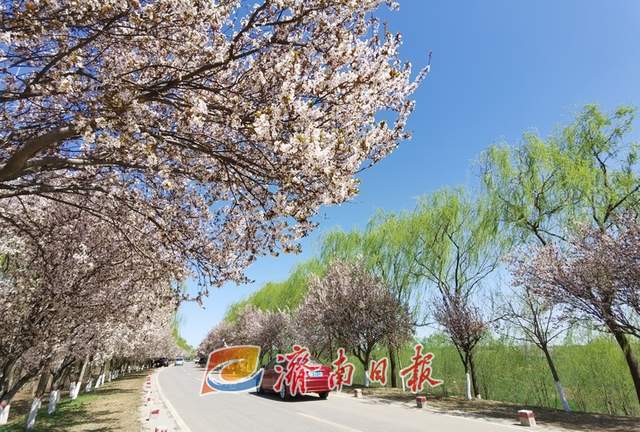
pixel 113 407
pixel 576 421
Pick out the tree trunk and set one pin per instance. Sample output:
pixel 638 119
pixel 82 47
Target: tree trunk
pixel 8 374
pixel 365 362
pixel 556 379
pixel 78 385
pixel 43 382
pixel 392 366
pixel 33 413
pixel 474 379
pixel 10 392
pixel 629 356
pixel 467 375
pixel 4 412
pixel 54 397
pixel 37 400
pixel 107 370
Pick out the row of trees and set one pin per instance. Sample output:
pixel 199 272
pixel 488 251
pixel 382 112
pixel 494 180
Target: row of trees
pixel 144 143
pixel 557 217
pixel 77 297
pixel 346 307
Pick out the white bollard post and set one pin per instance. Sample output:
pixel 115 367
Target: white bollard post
pixel 53 401
pixel 72 389
pixel 33 413
pixel 89 386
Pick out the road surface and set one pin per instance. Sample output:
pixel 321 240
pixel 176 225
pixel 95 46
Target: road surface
pixel 249 412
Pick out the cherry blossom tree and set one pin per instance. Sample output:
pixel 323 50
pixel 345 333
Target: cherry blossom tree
pixel 272 331
pixel 356 309
pixel 465 326
pixel 382 247
pixel 596 276
pixel 223 334
pixel 71 285
pixel 308 322
pixel 225 126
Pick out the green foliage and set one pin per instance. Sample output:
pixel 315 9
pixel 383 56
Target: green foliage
pixel 455 240
pixel 594 374
pixel 586 172
pixel 381 247
pixel 179 340
pixel 69 412
pixel 285 295
pixel 540 191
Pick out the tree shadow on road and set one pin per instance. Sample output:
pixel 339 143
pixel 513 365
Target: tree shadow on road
pixel 297 399
pixel 487 409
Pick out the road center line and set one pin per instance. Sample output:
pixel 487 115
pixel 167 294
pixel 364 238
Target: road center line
pixel 321 420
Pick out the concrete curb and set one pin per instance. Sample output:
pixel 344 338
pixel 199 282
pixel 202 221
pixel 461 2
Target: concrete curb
pixel 157 414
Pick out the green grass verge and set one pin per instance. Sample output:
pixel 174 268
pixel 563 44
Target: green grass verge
pixel 69 413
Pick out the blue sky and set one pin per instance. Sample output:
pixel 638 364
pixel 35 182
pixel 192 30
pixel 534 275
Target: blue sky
pixel 499 68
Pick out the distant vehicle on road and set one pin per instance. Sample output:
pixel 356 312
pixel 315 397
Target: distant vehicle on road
pixel 161 362
pixel 202 361
pixel 179 361
pixel 317 380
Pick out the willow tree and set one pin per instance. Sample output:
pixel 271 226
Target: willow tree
pixel 456 245
pixel 281 295
pixel 545 188
pixel 584 173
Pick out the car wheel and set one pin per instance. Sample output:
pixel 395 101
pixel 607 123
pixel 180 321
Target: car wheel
pixel 324 395
pixel 284 393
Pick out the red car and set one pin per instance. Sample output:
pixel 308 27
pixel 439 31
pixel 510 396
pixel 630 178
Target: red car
pixel 317 380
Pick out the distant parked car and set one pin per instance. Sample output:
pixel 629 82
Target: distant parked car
pixel 202 361
pixel 179 361
pixel 161 362
pixel 317 380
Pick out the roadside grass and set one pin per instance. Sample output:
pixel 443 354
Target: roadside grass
pixel 595 375
pixel 487 409
pixel 113 407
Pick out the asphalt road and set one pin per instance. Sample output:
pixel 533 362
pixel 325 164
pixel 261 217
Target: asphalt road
pixel 248 412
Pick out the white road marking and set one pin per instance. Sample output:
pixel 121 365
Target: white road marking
pixel 321 420
pixel 181 424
